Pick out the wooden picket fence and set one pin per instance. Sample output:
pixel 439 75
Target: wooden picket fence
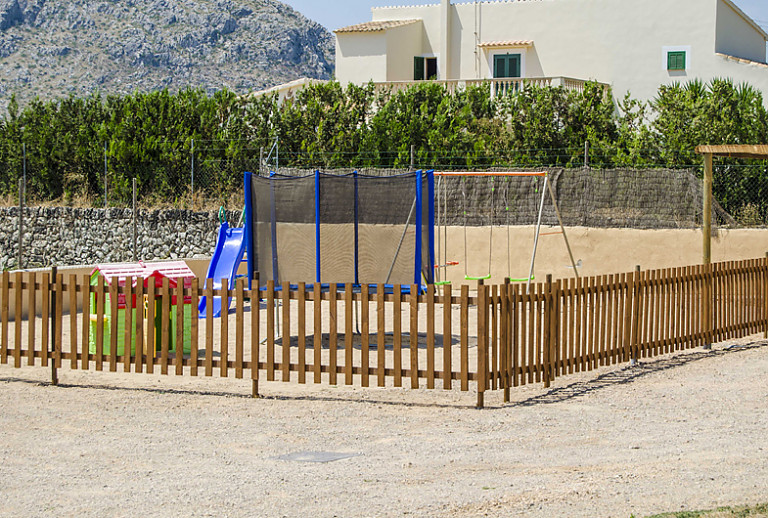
pixel 493 338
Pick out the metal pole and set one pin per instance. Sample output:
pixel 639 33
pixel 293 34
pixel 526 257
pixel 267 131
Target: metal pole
pixel 400 244
pixel 261 161
pixel 440 261
pixel 24 167
pixel 21 223
pixel 538 228
pixel 562 227
pixel 707 209
pixel 586 154
pixel 413 157
pixel 135 230
pixel 192 174
pixel 106 172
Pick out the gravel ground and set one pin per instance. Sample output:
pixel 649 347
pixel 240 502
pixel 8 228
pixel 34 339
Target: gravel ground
pixel 685 431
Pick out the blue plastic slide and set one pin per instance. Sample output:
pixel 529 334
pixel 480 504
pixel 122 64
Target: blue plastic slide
pixel 230 248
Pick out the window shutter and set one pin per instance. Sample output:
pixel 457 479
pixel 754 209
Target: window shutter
pixel 499 66
pixel 418 68
pixel 676 60
pixel 514 65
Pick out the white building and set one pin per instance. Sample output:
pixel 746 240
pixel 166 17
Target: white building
pixel 634 45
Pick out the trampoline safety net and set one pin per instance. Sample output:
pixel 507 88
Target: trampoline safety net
pixel 341 228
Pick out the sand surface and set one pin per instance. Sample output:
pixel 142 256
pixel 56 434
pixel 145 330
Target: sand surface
pixel 679 432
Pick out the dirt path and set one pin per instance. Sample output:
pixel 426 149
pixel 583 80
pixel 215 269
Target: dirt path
pixel 683 431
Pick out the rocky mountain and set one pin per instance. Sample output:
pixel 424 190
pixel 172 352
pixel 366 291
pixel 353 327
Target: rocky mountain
pixel 54 48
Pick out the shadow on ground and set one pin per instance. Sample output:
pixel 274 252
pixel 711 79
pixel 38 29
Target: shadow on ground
pixel 629 374
pixel 621 376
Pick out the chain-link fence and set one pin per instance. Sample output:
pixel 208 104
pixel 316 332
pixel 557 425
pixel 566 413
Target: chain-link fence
pixel 204 177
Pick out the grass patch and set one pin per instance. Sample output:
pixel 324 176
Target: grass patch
pixel 755 511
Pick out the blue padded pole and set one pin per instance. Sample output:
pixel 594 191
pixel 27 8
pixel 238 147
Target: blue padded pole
pixel 431 223
pixel 248 224
pixel 357 230
pixel 417 266
pixel 317 226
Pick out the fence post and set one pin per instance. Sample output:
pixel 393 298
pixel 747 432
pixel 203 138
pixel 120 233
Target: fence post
pixel 506 305
pixel 547 342
pixel 413 157
pixel 634 337
pixel 21 223
pixel 709 302
pixel 255 306
pixel 555 322
pixel 482 341
pixel 765 296
pixel 586 154
pixel 54 372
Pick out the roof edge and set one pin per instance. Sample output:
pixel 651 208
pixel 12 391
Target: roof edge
pixel 376 26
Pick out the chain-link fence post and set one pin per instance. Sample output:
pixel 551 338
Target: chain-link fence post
pixel 192 174
pixel 105 176
pixel 24 166
pixel 135 228
pixel 21 223
pixel 586 154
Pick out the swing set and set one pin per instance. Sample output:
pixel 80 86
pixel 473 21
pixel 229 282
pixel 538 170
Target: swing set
pixel 441 268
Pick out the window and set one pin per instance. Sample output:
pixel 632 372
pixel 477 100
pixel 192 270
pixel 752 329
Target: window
pixel 676 60
pixel 506 65
pixel 424 68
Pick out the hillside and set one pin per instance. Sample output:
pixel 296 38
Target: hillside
pixel 57 48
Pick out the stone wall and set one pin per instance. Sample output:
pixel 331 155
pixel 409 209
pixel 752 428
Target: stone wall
pixel 64 236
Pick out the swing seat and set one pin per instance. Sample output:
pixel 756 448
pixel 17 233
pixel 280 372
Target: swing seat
pixel 526 279
pixel 482 278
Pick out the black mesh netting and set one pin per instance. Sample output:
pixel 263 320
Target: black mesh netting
pixel 366 224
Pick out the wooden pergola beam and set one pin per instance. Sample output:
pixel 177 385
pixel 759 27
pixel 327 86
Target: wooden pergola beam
pixel 735 151
pixel 727 150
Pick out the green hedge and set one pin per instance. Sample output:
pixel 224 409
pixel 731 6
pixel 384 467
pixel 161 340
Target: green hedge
pixel 150 136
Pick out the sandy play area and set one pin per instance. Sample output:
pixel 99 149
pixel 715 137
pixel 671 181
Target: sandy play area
pixel 683 431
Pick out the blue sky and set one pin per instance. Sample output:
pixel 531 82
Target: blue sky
pixel 338 13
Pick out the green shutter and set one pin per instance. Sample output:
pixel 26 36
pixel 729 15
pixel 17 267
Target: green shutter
pixel 676 60
pixel 418 68
pixel 499 66
pixel 506 65
pixel 514 65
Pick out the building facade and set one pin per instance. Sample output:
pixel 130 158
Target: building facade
pixel 633 45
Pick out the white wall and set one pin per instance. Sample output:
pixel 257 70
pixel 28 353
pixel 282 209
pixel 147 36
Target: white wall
pixel 736 37
pixel 595 39
pixel 403 43
pixel 361 57
pixel 616 42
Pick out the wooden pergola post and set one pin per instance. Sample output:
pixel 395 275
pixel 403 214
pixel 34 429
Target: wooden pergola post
pixel 707 210
pixel 759 152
